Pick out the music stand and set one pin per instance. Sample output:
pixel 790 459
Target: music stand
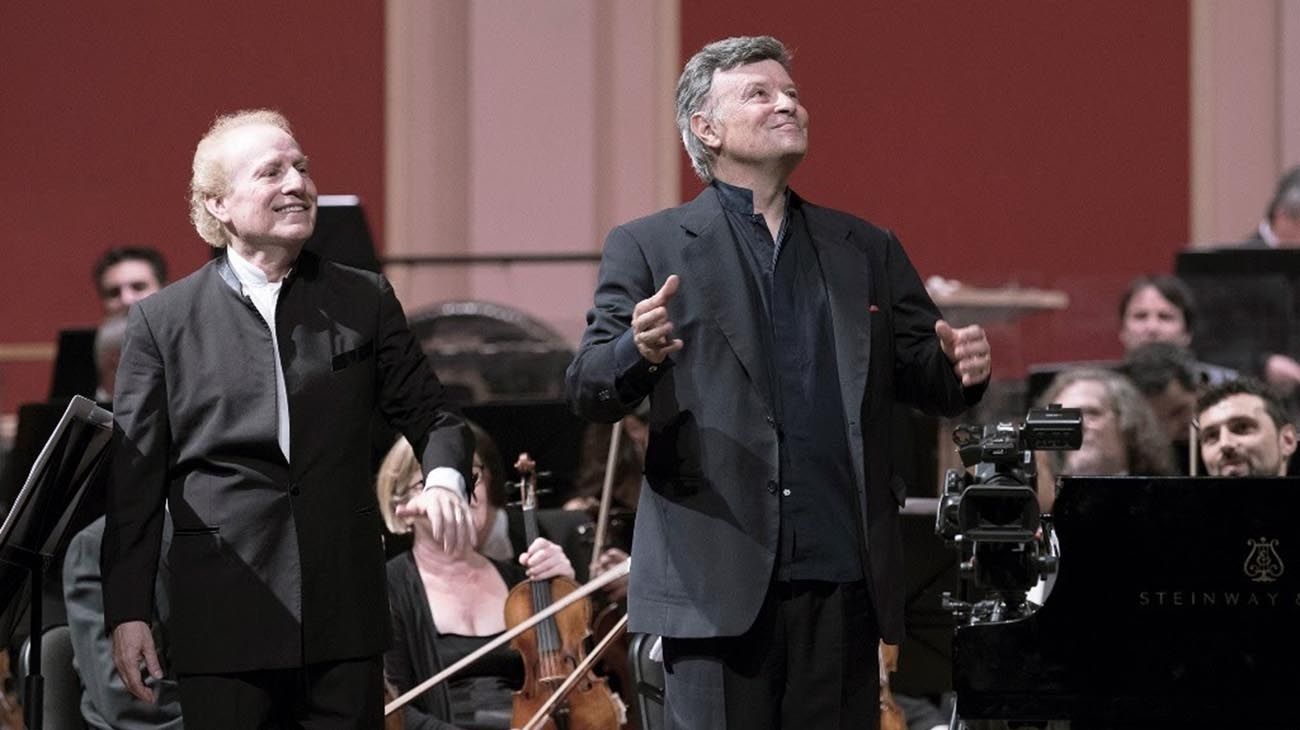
pixel 547 429
pixel 342 233
pixel 36 528
pixel 1246 303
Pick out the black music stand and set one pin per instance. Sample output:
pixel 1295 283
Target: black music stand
pixel 1246 302
pixel 36 528
pixel 547 429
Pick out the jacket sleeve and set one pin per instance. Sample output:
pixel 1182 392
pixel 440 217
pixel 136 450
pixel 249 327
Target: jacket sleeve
pixel 608 377
pixel 922 373
pixel 411 398
pixel 137 488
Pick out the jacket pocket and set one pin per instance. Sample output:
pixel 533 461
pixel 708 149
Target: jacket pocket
pixel 353 356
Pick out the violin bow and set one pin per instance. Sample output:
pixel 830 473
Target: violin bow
pixel 606 496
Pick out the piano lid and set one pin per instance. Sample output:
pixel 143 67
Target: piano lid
pixel 1177 601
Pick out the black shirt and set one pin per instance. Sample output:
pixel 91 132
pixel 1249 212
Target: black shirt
pixel 819 532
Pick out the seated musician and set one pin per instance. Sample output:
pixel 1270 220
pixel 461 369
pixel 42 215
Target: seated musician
pixel 445 605
pixel 1160 308
pixel 625 486
pixel 1281 229
pixel 1245 430
pixel 628 465
pixel 1121 435
pixel 1166 375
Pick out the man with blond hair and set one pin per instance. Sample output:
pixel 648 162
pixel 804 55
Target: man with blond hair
pixel 243 403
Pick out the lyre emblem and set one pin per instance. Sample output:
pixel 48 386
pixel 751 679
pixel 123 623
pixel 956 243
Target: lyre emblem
pixel 1263 564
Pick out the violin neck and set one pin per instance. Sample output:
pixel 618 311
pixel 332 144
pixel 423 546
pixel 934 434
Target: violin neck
pixel 548 634
pixel 531 531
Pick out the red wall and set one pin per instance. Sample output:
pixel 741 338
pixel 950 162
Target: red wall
pixel 1039 142
pixel 101 105
pixel 1044 143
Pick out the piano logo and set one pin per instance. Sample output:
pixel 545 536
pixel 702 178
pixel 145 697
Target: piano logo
pixel 1263 564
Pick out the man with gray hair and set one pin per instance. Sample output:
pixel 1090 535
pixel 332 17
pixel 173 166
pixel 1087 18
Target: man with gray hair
pixel 242 409
pixel 1281 229
pixel 771 337
pixel 1281 225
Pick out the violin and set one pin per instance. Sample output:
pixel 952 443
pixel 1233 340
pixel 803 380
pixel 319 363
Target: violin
pixel 554 649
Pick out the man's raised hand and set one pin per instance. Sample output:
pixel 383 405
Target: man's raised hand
pixel 967 349
pixel 651 329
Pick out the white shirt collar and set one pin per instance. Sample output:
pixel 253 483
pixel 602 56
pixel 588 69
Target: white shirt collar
pixel 247 272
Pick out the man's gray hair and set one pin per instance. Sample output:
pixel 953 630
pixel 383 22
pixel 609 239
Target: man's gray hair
pixel 1145 445
pixel 697 81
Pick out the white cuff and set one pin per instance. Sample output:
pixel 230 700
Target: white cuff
pixel 445 477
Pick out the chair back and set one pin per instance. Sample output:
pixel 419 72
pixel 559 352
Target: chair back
pixel 648 677
pixel 61 705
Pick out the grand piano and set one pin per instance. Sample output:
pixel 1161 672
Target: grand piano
pixel 1176 604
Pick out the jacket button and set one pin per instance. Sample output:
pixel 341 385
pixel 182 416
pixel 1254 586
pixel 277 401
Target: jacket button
pixel 294 490
pixel 771 486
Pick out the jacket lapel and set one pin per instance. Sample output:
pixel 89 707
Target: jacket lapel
pixel 713 259
pixel 847 273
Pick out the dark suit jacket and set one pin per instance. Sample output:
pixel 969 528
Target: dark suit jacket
pixel 274 563
pixel 707 525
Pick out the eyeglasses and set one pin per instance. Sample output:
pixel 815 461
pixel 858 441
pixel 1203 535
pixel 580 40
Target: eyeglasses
pixel 403 495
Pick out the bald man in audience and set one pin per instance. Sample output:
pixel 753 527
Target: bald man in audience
pixel 1245 431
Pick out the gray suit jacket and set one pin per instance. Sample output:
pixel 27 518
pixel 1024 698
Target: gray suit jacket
pixel 105 703
pixel 274 563
pixel 707 524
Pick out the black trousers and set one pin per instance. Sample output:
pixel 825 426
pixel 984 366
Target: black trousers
pixel 343 695
pixel 809 662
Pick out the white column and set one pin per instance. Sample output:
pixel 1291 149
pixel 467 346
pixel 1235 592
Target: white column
pixel 1245 115
pixel 525 126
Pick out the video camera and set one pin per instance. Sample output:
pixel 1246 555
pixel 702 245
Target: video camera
pixel 991 511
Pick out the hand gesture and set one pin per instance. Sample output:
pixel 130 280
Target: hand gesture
pixel 133 645
pixel 445 514
pixel 968 351
pixel 651 328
